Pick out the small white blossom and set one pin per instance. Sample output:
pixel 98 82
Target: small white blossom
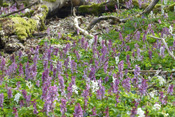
pixel 171 29
pixel 27 10
pixel 17 96
pixel 94 85
pixel 162 10
pixel 165 2
pixel 161 80
pixel 75 89
pixel 91 42
pixel 116 60
pixel 140 112
pixel 152 14
pixel 156 107
pixel 29 85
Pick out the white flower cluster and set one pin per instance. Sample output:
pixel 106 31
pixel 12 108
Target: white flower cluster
pixel 29 85
pixel 156 107
pixel 17 96
pixel 161 80
pixel 140 112
pixel 75 89
pixel 94 86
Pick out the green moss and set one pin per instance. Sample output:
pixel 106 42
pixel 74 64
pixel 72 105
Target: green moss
pixel 42 19
pixel 157 8
pixel 144 5
pixel 171 7
pixel 135 3
pixel 29 14
pixel 5 4
pixel 50 0
pixel 23 28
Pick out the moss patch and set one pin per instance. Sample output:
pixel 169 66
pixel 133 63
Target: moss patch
pixel 50 0
pixel 42 19
pixel 23 28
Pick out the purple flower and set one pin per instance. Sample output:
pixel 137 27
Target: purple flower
pixel 120 68
pixel 61 84
pixel 1 100
pixel 120 36
pixel 78 112
pixel 12 69
pixel 24 92
pixel 45 75
pixel 134 109
pixel 15 111
pixel 105 67
pixel 73 66
pixel 138 35
pixel 150 54
pixel 126 84
pixel 163 99
pixel 116 85
pixel 94 112
pixel 21 69
pixel 143 87
pixel 2 64
pixel 117 99
pixel 101 92
pixel 92 73
pixel 27 71
pixel 34 106
pixel 9 92
pixel 63 106
pixel 136 71
pixel 170 89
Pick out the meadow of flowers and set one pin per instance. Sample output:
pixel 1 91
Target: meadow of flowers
pixel 121 73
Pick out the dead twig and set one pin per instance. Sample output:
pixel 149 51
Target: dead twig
pixel 96 20
pixel 84 32
pixel 166 46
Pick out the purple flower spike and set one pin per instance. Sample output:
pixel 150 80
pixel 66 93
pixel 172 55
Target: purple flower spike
pixel 170 89
pixel 9 92
pixel 78 112
pixel 63 107
pixel 1 100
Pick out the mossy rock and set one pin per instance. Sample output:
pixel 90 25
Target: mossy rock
pixel 157 8
pixel 171 7
pixel 23 28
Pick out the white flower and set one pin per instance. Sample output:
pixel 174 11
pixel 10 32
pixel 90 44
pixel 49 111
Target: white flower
pixel 17 96
pixel 152 94
pixel 27 10
pixel 94 85
pixel 157 107
pixel 162 10
pixel 116 60
pixel 140 112
pixel 161 80
pixel 29 84
pixel 171 29
pixel 166 115
pixel 75 89
pixel 165 2
pixel 91 41
pixel 152 14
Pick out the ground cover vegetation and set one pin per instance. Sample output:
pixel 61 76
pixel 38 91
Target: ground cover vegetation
pixel 122 72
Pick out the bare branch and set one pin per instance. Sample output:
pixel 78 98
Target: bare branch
pixel 166 46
